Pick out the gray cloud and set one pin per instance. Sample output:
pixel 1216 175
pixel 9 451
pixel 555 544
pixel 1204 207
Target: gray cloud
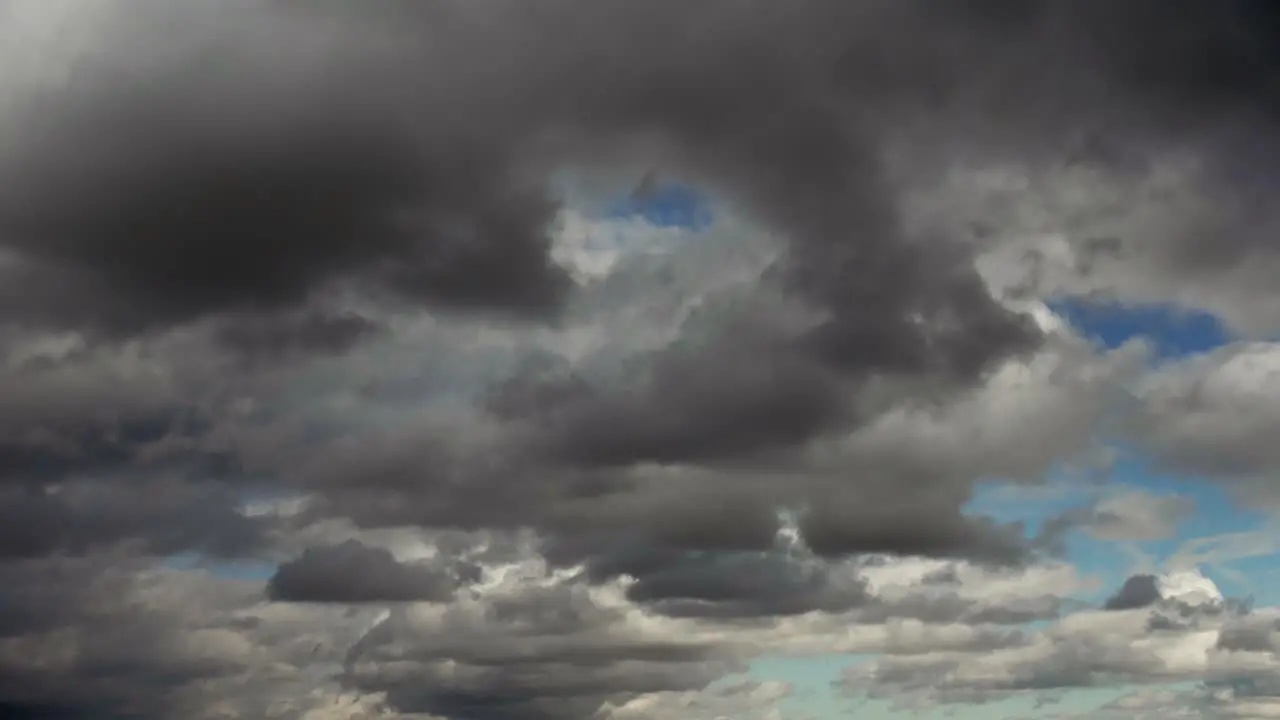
pixel 1178 641
pixel 833 530
pixel 1212 416
pixel 276 248
pixel 354 573
pixel 161 518
pixel 126 640
pixel 288 337
pixel 1138 591
pixel 1138 516
pixel 1250 634
pixel 764 585
pixel 162 212
pixel 512 654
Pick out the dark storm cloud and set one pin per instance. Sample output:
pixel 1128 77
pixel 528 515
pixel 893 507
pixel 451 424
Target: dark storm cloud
pixel 181 187
pixel 39 597
pixel 1250 634
pixel 619 521
pixel 161 518
pixel 131 656
pixel 92 457
pixel 807 169
pixel 803 160
pixel 404 154
pixel 97 444
pixel 1138 591
pixel 769 586
pixel 689 409
pixel 536 654
pixel 745 586
pixel 47 711
pixel 190 186
pixel 637 540
pixel 681 407
pixel 293 336
pixel 352 572
pixel 847 525
pixel 728 583
pixel 101 412
pixel 281 192
pixel 165 211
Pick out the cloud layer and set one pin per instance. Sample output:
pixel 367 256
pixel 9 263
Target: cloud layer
pixel 329 390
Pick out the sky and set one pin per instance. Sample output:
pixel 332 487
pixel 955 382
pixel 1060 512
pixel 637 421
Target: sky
pixel 639 360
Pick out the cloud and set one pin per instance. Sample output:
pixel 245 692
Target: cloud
pixel 529 649
pixel 751 699
pixel 115 638
pixel 324 287
pixel 1137 640
pixel 1139 516
pixel 353 573
pixel 159 211
pixel 281 337
pixel 82 518
pixel 1211 416
pixel 1138 591
pixel 523 640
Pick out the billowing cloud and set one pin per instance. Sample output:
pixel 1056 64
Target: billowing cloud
pixel 354 573
pixel 1185 633
pixel 1213 416
pixel 1138 591
pixel 330 389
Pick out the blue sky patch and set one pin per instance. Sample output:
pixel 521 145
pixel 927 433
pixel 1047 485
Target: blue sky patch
pixel 1174 332
pixel 665 205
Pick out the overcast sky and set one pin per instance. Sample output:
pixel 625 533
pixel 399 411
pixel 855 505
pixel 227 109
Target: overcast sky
pixel 639 359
